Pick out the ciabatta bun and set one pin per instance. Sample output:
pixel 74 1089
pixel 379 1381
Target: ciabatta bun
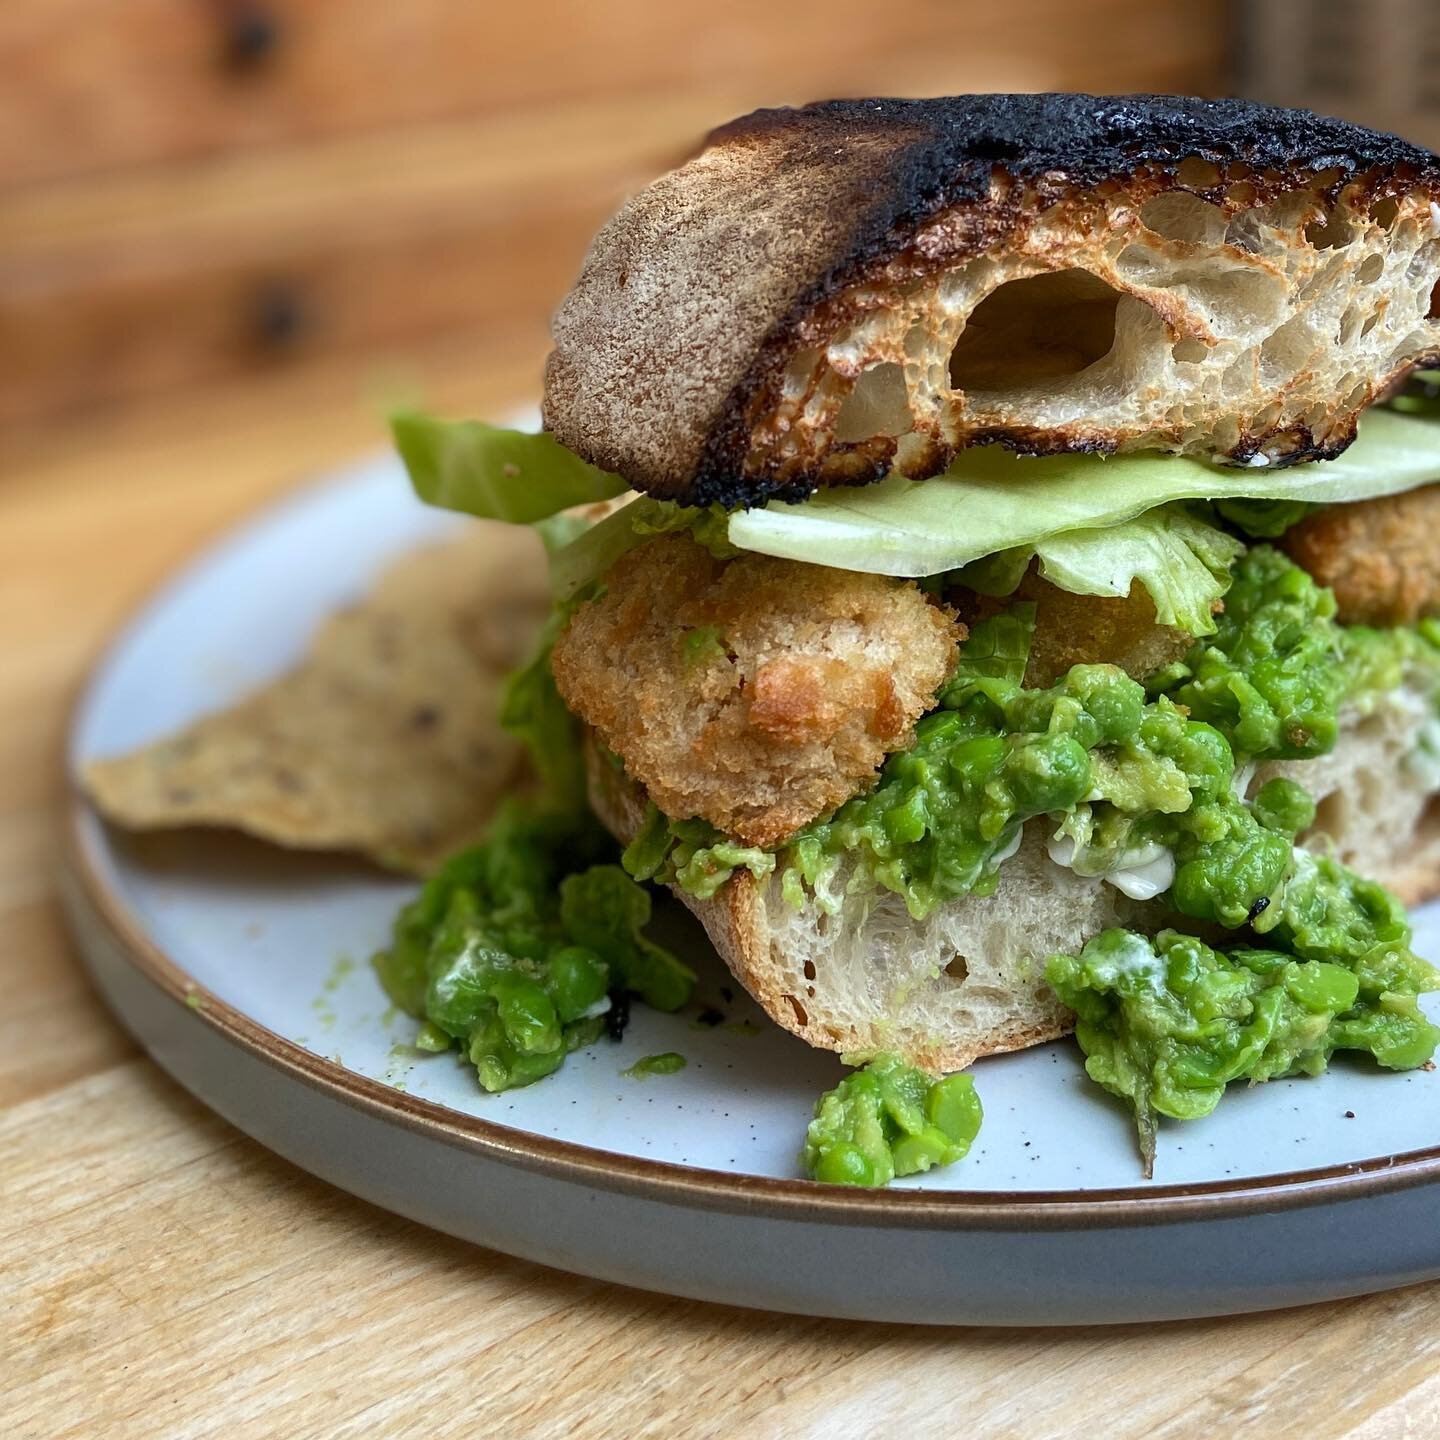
pixel 825 294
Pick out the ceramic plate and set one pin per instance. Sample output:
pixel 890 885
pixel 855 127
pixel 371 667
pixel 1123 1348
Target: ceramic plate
pixel 243 969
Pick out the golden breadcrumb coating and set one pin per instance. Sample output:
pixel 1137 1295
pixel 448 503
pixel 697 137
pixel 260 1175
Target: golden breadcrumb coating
pixel 1085 630
pixel 1381 557
pixel 756 693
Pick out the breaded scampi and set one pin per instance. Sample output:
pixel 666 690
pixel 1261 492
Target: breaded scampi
pixel 755 693
pixel 1084 629
pixel 1380 557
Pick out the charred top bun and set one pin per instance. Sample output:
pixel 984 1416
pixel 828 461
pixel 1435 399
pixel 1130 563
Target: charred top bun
pixel 825 294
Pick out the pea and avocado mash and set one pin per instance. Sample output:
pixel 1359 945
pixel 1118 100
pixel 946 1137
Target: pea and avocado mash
pixel 1167 1023
pixel 1279 669
pixel 1123 769
pixel 890 1119
pixel 514 950
pixel 1128 773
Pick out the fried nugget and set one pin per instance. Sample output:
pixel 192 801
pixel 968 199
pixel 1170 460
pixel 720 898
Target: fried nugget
pixel 1381 557
pixel 1085 629
pixel 756 693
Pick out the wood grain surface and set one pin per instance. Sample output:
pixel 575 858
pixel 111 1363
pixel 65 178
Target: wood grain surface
pixel 163 1276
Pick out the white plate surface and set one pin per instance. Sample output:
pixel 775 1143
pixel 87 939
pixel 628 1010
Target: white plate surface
pixel 284 939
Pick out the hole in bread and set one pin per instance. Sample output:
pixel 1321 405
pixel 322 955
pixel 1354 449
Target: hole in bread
pixel 800 1016
pixel 1374 791
pixel 1385 212
pixel 1248 232
pixel 1197 174
pixel 1181 216
pixel 1267 418
pixel 1287 350
pixel 1371 269
pixel 878 405
pixel 1433 310
pixel 1331 233
pixel 958 968
pixel 1190 352
pixel 809 969
pixel 1044 326
pixel 1230 298
pixel 1329 817
pixel 1371 321
pixel 1349 325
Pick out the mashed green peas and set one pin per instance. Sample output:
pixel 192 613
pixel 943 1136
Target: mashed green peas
pixel 1167 1024
pixel 511 951
pixel 1123 770
pixel 1278 670
pixel 890 1119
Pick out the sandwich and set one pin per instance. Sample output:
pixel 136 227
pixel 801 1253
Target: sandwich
pixel 1020 614
pixel 994 548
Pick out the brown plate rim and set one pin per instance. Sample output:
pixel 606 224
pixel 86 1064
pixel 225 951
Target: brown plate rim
pixel 664 1181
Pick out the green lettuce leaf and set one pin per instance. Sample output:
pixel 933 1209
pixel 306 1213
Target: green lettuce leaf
pixel 997 648
pixel 1263 519
pixel 1183 563
pixel 496 474
pixel 990 500
pixel 593 551
pixel 1421 395
pixel 588 556
pixel 532 711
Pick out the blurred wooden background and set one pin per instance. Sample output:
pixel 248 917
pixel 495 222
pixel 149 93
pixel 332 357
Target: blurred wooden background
pixel 200 192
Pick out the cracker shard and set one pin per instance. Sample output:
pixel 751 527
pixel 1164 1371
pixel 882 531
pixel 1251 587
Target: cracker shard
pixel 383 740
pixel 827 293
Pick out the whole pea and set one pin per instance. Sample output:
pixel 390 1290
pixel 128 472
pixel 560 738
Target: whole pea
pixel 578 979
pixel 1114 701
pixel 844 1164
pixel 1047 772
pixel 1321 987
pixel 1204 754
pixel 978 759
pixel 1284 806
pixel 954 1107
pixel 528 1015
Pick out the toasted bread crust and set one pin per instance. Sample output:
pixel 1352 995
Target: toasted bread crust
pixel 727 314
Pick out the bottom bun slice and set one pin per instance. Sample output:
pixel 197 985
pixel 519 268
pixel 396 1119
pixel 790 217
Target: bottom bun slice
pixel 968 980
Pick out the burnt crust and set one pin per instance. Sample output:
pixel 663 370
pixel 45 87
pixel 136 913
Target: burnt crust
pixel 672 352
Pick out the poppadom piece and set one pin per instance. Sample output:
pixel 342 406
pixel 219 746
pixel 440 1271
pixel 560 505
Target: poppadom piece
pixel 384 740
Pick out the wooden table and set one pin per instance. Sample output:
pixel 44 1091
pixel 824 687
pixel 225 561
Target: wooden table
pixel 164 1276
